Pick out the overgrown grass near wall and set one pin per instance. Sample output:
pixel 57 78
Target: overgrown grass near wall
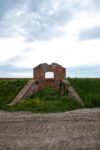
pixel 88 89
pixel 9 89
pixel 47 100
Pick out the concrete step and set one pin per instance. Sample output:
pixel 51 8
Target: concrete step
pixel 23 92
pixel 72 91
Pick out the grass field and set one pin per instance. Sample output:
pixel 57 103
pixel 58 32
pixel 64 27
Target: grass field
pixel 49 100
pixel 88 89
pixel 9 89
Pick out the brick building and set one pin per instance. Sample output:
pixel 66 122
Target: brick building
pixel 49 75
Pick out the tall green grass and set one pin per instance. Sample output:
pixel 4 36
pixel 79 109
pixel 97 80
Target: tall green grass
pixel 9 89
pixel 88 89
pixel 47 100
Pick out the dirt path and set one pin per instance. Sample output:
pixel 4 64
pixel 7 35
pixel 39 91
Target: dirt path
pixel 74 130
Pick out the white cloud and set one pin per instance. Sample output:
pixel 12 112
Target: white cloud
pixel 22 75
pixel 16 74
pixel 64 51
pixel 34 32
pixel 10 47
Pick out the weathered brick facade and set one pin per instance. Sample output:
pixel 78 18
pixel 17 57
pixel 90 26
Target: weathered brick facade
pixel 40 81
pixel 39 74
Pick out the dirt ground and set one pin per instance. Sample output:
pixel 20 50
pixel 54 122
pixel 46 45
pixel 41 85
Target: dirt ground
pixel 74 130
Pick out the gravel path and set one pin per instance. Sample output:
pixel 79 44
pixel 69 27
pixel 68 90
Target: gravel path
pixel 74 130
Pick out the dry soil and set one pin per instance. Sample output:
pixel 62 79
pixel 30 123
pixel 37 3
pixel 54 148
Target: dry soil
pixel 74 130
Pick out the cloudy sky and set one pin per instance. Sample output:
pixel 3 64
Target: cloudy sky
pixel 61 31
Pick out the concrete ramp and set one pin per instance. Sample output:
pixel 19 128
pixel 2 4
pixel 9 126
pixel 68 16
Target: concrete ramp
pixel 26 91
pixel 72 92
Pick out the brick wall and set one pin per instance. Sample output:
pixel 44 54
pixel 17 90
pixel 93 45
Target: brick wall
pixel 59 74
